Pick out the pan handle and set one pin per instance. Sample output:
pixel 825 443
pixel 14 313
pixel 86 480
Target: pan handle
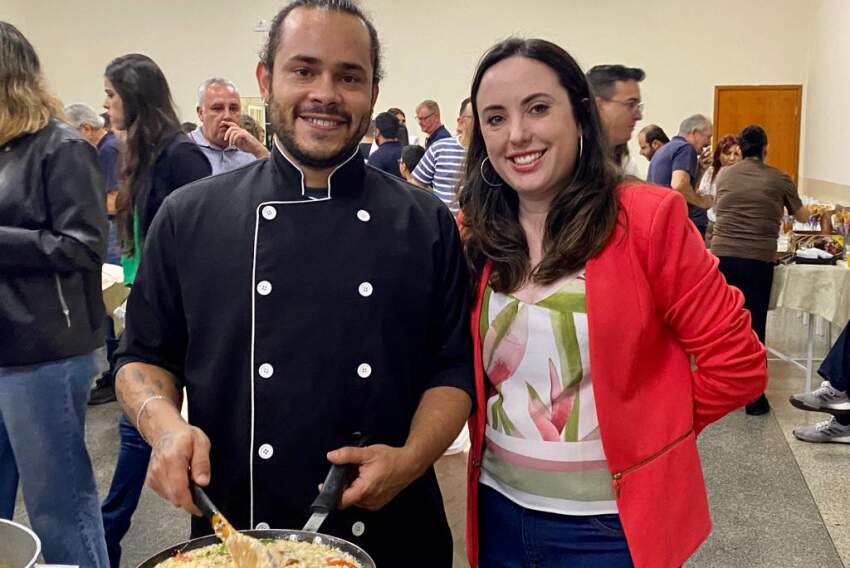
pixel 335 482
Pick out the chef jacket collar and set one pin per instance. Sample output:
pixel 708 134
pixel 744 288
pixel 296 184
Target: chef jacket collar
pixel 345 179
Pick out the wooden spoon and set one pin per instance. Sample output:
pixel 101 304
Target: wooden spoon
pixel 246 551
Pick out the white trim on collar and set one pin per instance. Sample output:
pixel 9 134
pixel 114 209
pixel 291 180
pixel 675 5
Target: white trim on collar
pixel 300 171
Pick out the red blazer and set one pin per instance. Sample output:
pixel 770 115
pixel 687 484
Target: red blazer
pixel 654 298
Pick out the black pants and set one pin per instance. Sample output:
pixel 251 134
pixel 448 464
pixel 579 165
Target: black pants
pixel 754 278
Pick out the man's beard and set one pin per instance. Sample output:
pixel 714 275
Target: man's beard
pixel 285 132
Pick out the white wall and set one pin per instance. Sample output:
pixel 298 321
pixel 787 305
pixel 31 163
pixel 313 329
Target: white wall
pixel 827 156
pixel 432 47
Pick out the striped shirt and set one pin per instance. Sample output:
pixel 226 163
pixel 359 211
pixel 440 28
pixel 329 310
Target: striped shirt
pixel 441 168
pixel 543 449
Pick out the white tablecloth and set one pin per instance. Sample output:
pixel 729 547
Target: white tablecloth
pixel 820 290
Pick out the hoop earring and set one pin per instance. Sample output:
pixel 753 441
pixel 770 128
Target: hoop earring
pixel 487 159
pixel 580 146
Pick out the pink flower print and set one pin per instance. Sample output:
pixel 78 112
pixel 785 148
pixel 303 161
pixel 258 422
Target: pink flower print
pixel 508 353
pixel 562 400
pixel 540 415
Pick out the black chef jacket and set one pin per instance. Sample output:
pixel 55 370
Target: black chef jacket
pixel 294 322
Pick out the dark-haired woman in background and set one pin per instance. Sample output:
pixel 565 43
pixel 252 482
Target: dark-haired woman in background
pixel 592 295
pixel 726 153
pixel 751 200
pixel 156 158
pixel 52 245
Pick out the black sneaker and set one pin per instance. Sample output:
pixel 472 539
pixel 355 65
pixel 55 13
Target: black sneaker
pixel 758 407
pixel 103 391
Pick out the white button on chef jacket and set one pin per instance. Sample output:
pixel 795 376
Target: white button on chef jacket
pixel 266 370
pixel 358 528
pixel 363 215
pixel 262 526
pixel 269 212
pixel 266 451
pixel 264 288
pixel 364 370
pixel 365 289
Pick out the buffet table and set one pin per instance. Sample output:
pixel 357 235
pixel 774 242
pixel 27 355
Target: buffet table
pixel 816 290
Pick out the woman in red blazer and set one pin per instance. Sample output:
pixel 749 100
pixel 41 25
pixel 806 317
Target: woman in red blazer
pixel 582 471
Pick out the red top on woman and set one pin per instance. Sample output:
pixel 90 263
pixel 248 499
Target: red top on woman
pixel 654 298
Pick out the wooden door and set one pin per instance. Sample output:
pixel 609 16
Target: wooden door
pixel 776 108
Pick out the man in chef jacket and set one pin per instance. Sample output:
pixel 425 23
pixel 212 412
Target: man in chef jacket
pixel 299 300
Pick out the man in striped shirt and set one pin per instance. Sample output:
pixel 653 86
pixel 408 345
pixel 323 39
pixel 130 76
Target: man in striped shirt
pixel 441 167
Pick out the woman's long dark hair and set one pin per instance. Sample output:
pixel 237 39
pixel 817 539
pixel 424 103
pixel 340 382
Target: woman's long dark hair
pixel 151 123
pixel 584 212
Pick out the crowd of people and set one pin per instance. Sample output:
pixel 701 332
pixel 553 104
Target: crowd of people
pixel 345 295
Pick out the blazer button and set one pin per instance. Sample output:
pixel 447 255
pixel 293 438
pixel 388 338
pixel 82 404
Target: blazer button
pixel 364 370
pixel 363 215
pixel 365 289
pixel 264 288
pixel 266 370
pixel 269 213
pixel 266 451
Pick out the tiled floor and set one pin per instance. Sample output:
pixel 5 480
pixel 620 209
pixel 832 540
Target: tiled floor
pixel 776 502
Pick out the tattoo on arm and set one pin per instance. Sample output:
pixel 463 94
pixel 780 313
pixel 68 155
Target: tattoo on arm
pixel 164 442
pixel 136 383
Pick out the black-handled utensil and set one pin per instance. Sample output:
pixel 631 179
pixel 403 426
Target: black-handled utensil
pixel 222 527
pixel 202 501
pixel 246 551
pixel 338 477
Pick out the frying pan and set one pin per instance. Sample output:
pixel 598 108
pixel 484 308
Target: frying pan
pixel 274 534
pixel 327 501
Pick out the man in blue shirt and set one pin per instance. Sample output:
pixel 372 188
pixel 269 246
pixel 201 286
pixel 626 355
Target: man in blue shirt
pixel 441 168
pixel 388 154
pixel 92 127
pixel 220 137
pixel 675 165
pixel 428 117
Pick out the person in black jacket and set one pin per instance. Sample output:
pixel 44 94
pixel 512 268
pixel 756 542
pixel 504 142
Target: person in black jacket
pixel 52 245
pixel 156 159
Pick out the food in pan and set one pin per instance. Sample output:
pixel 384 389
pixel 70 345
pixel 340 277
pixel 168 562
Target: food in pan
pixel 287 553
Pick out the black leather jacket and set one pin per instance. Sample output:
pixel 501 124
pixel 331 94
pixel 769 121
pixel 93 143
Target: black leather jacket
pixel 53 230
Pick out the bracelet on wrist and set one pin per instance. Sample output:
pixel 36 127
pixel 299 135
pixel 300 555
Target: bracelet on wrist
pixel 141 411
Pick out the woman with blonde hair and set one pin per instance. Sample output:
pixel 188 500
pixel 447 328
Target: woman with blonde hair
pixel 52 244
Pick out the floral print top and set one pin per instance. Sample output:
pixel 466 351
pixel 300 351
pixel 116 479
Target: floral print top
pixel 543 449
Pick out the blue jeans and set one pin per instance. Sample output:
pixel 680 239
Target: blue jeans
pixel 511 536
pixel 126 488
pixel 113 247
pixel 42 439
